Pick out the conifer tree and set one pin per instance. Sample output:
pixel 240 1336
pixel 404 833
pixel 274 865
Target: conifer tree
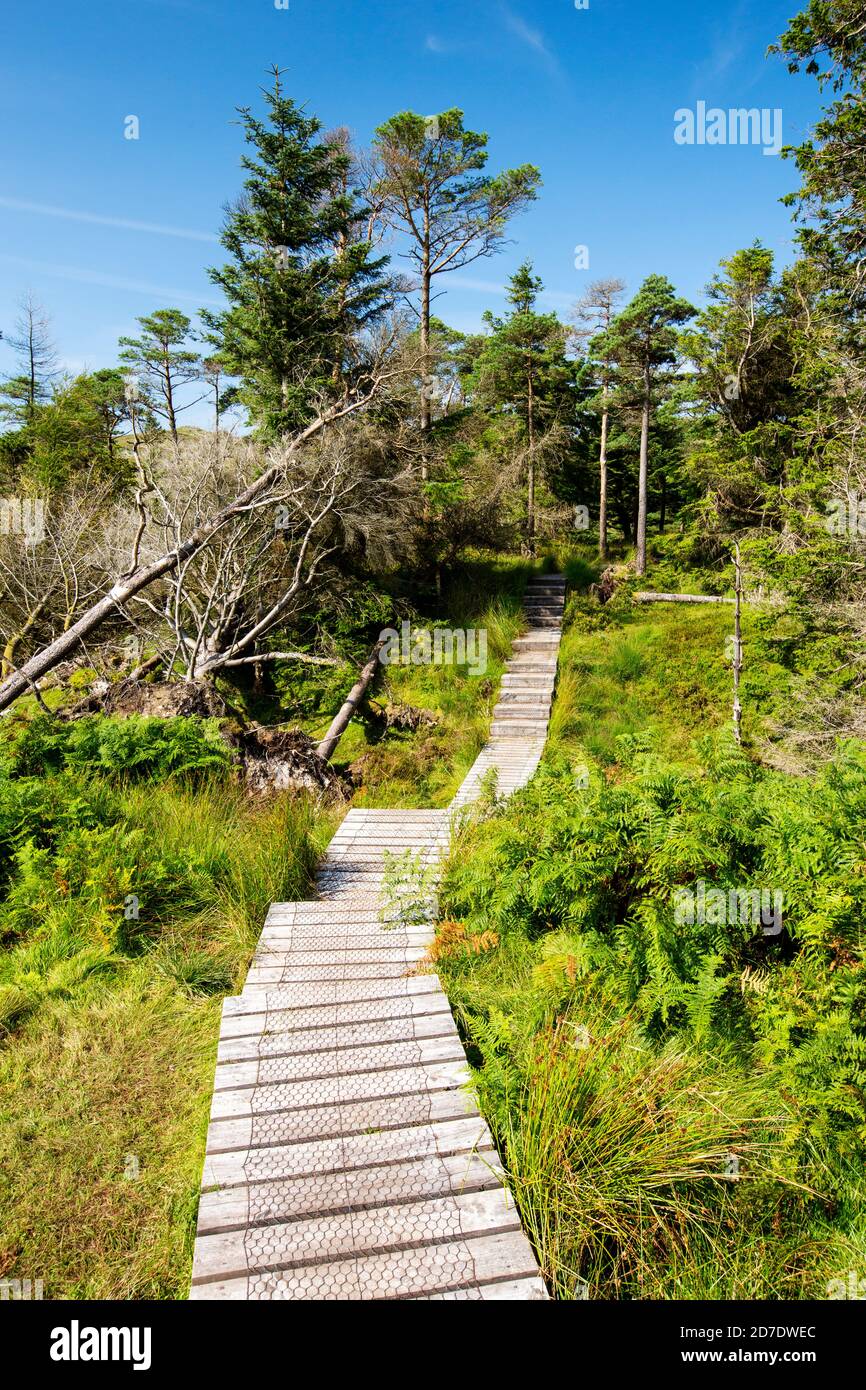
pixel 430 185
pixel 641 345
pixel 23 392
pixel 522 369
pixel 161 362
pixel 301 280
pixel 594 314
pixel 828 41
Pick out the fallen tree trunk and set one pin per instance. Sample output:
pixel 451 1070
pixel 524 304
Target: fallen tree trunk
pixel 680 598
pixel 139 578
pixel 350 704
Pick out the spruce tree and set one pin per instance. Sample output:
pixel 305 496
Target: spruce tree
pixel 301 282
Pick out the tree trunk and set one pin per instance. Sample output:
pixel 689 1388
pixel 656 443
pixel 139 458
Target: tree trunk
pixel 640 559
pixel 32 389
pixel 169 401
pixel 15 640
pixel 350 705
pixel 602 485
pixel 530 489
pixel 426 409
pixel 647 597
pixel 738 647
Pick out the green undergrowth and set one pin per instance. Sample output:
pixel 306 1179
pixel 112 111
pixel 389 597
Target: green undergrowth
pixel 682 1107
pixel 136 875
pixel 660 678
pixel 132 903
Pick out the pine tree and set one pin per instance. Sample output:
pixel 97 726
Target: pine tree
pixel 161 363
pixel 430 186
pixel 641 345
pixel 522 370
pixel 828 41
pixel 22 393
pixel 594 314
pixel 301 283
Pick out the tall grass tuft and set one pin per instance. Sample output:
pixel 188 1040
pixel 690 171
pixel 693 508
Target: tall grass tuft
pixel 617 1157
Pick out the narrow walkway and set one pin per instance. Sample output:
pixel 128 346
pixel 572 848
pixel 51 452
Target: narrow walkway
pixel 345 1157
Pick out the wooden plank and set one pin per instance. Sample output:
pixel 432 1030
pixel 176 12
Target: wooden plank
pixel 282 1044
pixel 279 938
pixel 397 1274
pixel 339 1090
pixel 238 1025
pixel 317 993
pixel 344 972
pixel 348 1151
pixel 233 1208
pixel 288 1245
pixel 382 953
pixel 331 1121
pixel 232 1076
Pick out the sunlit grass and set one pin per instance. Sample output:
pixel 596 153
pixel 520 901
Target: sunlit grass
pixel 106 1074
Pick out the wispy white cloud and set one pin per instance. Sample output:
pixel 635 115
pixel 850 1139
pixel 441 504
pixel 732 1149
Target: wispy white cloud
pixel 734 43
pixel 529 37
pixel 126 224
pixel 112 282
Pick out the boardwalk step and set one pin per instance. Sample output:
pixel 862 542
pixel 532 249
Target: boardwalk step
pixel 336 1063
pixel 521 701
pixel 292 1246
pixel 409 1180
pixel 325 1016
pixel 411 1273
pixel 276 1097
pixel 540 684
pixel 244 1166
pixel 331 1121
pixel 329 993
pixel 344 1036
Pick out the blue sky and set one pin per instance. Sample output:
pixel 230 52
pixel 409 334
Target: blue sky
pixel 102 228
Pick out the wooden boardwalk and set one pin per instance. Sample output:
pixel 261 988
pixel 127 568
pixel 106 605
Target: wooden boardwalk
pixel 346 1158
